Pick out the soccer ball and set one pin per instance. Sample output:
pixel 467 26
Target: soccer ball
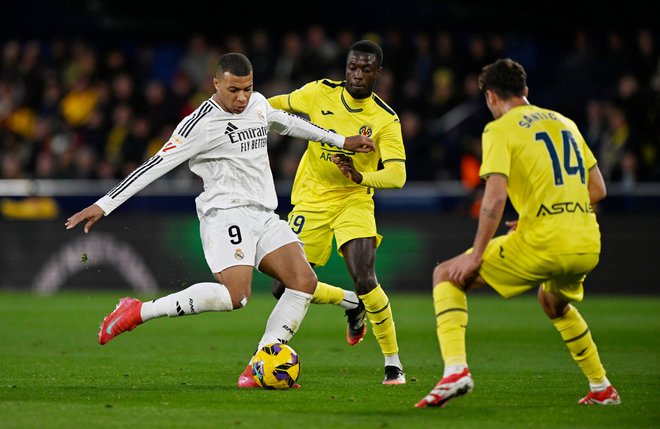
pixel 275 366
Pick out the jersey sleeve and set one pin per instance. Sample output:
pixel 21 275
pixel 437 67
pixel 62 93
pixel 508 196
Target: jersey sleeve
pixel 297 101
pixel 177 150
pixel 496 157
pixel 295 126
pixel 280 102
pixel 393 156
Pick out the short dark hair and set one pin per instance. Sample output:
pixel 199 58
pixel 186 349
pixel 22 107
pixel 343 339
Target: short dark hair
pixel 504 77
pixel 368 47
pixel 234 63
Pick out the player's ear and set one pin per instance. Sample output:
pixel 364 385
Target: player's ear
pixel 489 96
pixel 526 91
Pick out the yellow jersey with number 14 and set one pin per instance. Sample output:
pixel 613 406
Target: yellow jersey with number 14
pixel 547 163
pixel 328 104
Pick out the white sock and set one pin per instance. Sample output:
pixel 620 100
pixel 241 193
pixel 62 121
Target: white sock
pixel 453 369
pixel 198 298
pixel 599 387
pixel 286 317
pixel 393 361
pixel 350 300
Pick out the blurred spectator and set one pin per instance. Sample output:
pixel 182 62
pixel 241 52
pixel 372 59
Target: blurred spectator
pixel 319 53
pixel 260 52
pixel 419 159
pixel 345 38
pixel 79 103
pixel 595 126
pixel 122 117
pixel 158 105
pixel 134 149
pixel 470 179
pixel 198 61
pixel 646 55
pixel 289 65
pixel 616 157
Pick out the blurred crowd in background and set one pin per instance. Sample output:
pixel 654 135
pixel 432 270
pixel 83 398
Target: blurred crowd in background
pixel 81 108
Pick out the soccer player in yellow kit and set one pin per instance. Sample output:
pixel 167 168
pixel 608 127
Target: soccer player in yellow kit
pixel 539 158
pixel 333 191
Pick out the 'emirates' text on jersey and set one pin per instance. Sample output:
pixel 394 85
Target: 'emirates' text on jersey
pixel 329 105
pixel 228 151
pixel 547 163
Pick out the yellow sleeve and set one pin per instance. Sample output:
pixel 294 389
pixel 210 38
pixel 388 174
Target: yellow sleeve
pixel 393 156
pixel 281 102
pixel 296 101
pixel 496 158
pixel 393 175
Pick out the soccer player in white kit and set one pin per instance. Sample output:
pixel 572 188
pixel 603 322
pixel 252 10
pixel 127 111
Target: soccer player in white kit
pixel 225 143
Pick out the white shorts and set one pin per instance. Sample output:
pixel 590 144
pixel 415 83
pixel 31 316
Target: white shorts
pixel 242 236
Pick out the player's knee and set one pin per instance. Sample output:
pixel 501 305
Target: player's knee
pixel 552 306
pixel 304 282
pixel 440 273
pixel 365 284
pixel 310 281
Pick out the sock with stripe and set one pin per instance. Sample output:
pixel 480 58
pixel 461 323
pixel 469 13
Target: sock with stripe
pixel 379 313
pixel 329 294
pixel 451 318
pixel 198 298
pixel 575 332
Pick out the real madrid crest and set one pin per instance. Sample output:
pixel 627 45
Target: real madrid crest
pixel 260 114
pixel 238 254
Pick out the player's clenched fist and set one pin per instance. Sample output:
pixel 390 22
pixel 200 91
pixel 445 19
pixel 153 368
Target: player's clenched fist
pixel 359 143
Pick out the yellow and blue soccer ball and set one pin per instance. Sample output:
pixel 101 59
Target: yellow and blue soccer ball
pixel 275 366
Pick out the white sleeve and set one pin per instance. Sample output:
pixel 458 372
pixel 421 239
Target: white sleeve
pixel 295 126
pixel 177 150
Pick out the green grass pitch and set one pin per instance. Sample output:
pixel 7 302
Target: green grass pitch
pixel 180 373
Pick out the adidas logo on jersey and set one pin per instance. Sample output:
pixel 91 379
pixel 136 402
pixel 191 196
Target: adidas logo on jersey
pixel 230 128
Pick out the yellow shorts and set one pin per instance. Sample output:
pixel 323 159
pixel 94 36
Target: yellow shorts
pixel 345 220
pixel 511 267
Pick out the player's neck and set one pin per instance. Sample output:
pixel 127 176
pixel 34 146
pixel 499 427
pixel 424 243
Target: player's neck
pixel 513 103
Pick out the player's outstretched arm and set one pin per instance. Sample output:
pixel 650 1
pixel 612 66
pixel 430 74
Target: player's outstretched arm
pixel 91 214
pixel 295 126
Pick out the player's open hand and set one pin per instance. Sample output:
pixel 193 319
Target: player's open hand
pixel 345 165
pixel 359 143
pixel 91 214
pixel 464 269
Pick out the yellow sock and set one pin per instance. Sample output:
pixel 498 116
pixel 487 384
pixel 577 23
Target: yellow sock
pixel 379 314
pixel 576 335
pixel 451 319
pixel 327 294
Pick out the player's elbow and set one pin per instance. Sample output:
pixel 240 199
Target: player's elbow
pixel 596 185
pixel 597 194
